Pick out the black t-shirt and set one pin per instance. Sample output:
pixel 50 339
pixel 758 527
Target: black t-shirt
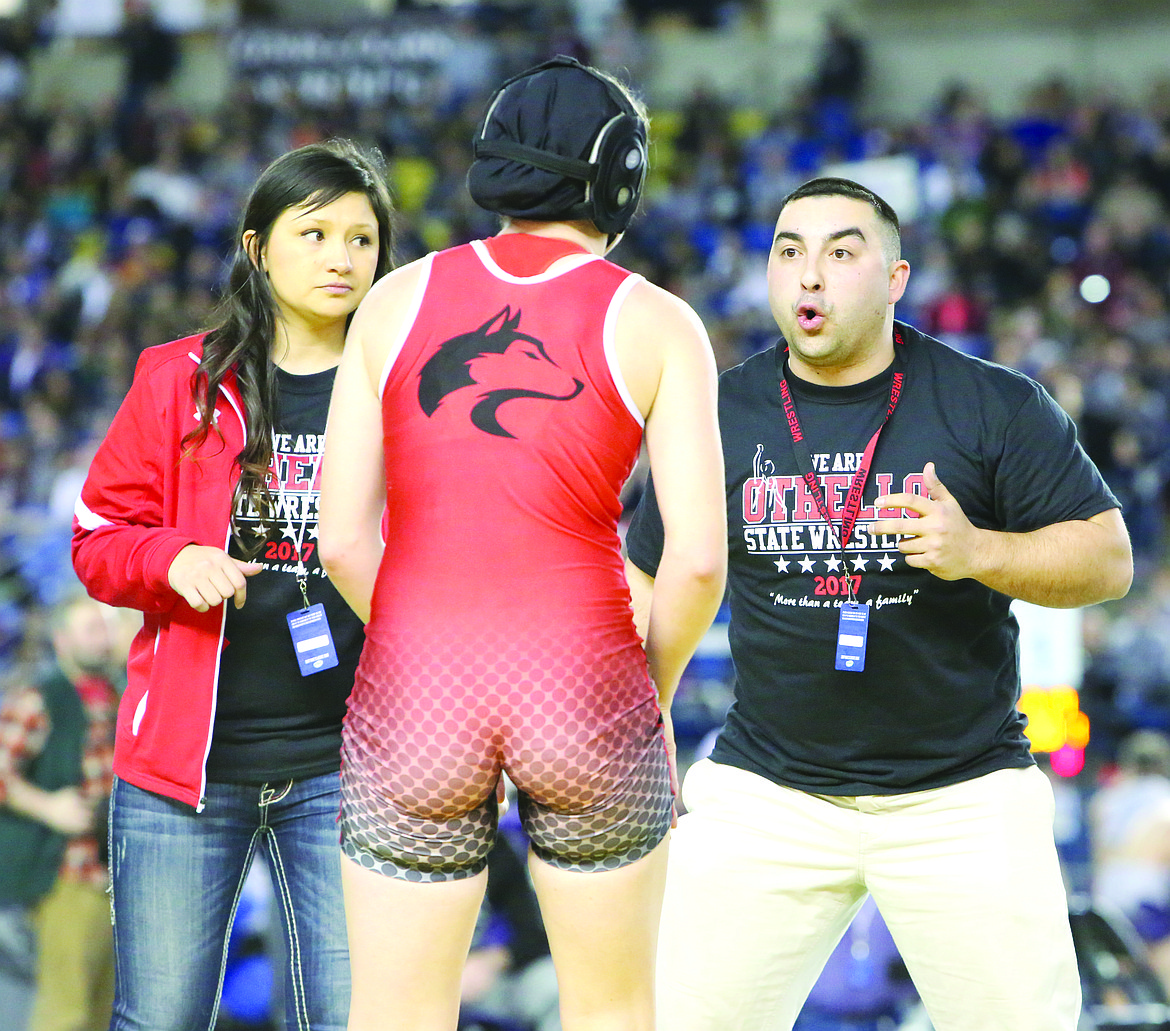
pixel 935 704
pixel 272 723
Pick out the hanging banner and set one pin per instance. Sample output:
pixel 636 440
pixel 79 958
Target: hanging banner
pixel 322 66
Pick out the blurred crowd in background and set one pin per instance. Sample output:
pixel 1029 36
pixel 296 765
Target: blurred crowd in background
pixel 1040 239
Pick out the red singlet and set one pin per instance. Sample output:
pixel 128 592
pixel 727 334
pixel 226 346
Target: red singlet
pixel 501 634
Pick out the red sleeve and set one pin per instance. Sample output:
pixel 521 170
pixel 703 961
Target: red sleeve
pixel 121 548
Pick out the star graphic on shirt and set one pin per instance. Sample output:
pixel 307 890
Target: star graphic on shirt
pixel 807 564
pixel 832 563
pixel 262 529
pixel 860 563
pixel 886 562
pixel 313 532
pixel 782 565
pixel 289 531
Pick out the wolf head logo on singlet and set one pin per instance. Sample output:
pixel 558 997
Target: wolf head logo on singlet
pixel 503 363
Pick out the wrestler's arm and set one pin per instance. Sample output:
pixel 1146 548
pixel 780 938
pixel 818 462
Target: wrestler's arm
pixel 353 487
pixel 641 594
pixel 670 369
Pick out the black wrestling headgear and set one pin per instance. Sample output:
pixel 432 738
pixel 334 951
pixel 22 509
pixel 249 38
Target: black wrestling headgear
pixel 551 129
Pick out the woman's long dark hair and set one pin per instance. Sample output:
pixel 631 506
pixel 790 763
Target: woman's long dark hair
pixel 242 339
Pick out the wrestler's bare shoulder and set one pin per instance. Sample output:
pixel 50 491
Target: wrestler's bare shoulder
pixel 651 313
pixel 656 330
pixel 385 315
pixel 393 289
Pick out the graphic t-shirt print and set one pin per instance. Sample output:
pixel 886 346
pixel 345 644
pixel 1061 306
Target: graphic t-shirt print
pixel 294 481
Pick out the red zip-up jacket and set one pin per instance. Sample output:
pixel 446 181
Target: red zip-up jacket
pixel 143 502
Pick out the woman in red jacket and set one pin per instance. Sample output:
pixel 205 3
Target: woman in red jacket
pixel 204 492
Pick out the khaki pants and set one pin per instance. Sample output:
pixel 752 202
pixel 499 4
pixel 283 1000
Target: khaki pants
pixel 764 880
pixel 75 960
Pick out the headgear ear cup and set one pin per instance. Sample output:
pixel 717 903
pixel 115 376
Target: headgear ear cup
pixel 613 174
pixel 619 162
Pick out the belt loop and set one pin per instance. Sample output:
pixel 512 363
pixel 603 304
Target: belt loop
pixel 269 794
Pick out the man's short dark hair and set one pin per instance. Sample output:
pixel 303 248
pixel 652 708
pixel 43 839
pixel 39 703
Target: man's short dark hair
pixel 832 186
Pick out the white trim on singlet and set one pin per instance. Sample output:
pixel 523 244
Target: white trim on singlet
pixel 561 265
pixel 608 334
pixel 420 289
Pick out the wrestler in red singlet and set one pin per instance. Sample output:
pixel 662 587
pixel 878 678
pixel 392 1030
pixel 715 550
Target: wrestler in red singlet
pixel 501 635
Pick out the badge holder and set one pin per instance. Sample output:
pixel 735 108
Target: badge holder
pixel 312 639
pixel 853 621
pixel 852 631
pixel 309 626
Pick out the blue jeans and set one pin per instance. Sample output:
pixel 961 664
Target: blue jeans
pixel 176 879
pixel 18 951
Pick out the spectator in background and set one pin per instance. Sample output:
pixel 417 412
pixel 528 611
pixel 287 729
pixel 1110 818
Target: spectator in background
pixel 171 190
pixel 152 55
pixel 152 51
pixel 1046 115
pixel 1129 664
pixel 961 127
pixel 1137 476
pixel 15 43
pixel 705 121
pixel 56 769
pixel 840 72
pixel 1055 191
pixel 27 356
pixel 1129 823
pixel 837 85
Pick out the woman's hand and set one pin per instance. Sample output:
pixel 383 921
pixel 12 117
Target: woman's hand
pixel 205 577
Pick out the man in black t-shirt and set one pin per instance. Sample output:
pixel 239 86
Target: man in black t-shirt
pixel 887 498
